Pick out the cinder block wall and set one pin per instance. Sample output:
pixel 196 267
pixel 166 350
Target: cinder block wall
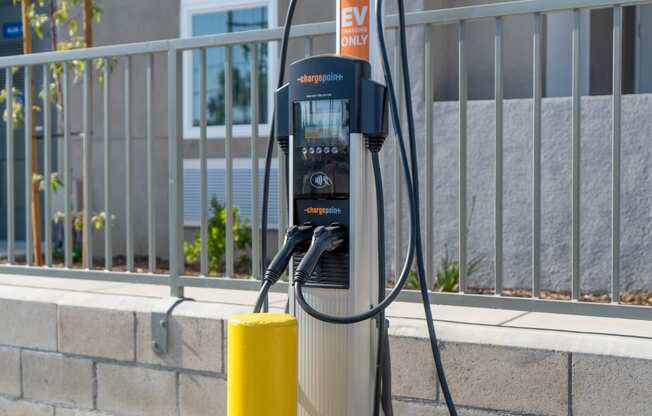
pixel 78 354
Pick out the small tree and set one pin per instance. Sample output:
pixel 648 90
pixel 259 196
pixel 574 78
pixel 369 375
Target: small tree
pixel 217 240
pixel 63 17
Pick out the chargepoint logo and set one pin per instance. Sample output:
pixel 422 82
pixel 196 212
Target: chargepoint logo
pixel 320 78
pixel 321 211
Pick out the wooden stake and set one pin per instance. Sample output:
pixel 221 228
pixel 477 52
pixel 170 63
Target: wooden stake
pixel 88 23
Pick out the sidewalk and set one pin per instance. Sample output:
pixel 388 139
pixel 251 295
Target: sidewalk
pixel 532 330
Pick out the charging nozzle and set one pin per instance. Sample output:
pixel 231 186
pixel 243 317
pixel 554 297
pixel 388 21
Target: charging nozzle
pixel 325 239
pixel 295 237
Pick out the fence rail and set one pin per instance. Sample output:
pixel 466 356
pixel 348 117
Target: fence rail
pixel 173 52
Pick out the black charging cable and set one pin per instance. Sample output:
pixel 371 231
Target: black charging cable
pixel 297 237
pixel 270 142
pixel 383 389
pixel 421 272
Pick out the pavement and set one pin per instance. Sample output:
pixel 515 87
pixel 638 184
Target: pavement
pixel 518 329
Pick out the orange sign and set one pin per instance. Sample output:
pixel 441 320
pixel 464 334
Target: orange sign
pixel 355 29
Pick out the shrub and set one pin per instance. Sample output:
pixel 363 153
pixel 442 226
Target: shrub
pixel 448 274
pixel 217 241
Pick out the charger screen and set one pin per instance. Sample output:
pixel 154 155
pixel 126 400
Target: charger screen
pixel 323 119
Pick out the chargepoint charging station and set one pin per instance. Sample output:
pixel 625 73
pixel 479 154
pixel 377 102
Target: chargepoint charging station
pixel 331 121
pixel 333 108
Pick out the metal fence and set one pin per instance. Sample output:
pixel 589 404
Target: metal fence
pixel 174 50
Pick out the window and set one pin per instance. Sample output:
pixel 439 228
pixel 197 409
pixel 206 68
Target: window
pixel 7 49
pixel 216 187
pixel 210 17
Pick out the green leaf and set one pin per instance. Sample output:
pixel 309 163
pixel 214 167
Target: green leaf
pixel 58 217
pixel 99 221
pixel 73 28
pixel 78 222
pixel 97 11
pixel 17 115
pixel 56 181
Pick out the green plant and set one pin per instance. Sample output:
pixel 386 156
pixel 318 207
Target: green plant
pixel 217 240
pixel 16 116
pixel 413 281
pixel 56 181
pixel 98 221
pixel 448 274
pixel 65 17
pixel 59 254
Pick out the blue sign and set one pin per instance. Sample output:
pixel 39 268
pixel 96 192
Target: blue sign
pixel 12 30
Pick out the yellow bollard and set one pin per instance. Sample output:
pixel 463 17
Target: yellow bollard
pixel 262 365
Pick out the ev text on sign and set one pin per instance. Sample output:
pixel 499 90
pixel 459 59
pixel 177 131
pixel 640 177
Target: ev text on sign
pixel 355 28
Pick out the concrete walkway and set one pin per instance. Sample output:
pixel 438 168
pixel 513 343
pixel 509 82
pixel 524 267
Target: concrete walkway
pixel 556 332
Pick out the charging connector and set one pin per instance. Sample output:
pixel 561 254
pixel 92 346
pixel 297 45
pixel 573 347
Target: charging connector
pixel 296 237
pixel 325 239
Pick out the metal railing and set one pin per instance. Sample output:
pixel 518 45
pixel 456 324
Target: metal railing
pixel 174 49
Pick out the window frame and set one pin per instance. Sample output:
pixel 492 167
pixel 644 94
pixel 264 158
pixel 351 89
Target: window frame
pixel 189 8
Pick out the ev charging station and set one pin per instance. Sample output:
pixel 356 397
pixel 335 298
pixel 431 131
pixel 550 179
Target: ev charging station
pixel 332 185
pixel 332 182
pixel 331 120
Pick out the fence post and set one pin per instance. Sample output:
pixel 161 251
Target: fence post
pixel 175 171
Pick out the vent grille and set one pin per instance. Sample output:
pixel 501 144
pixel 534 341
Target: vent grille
pixel 332 271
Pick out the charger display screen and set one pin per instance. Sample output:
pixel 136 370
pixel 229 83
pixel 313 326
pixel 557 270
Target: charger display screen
pixel 323 119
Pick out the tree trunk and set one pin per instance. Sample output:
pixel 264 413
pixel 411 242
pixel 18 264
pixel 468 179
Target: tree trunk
pixel 36 203
pixel 88 23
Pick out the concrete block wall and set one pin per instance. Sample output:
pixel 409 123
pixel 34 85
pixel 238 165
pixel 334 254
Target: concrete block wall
pixel 78 354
